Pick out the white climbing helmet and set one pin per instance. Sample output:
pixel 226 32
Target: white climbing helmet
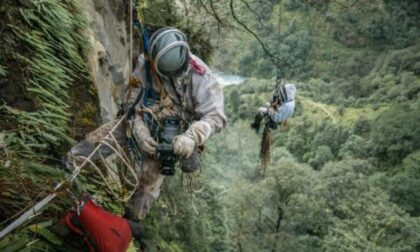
pixel 169 51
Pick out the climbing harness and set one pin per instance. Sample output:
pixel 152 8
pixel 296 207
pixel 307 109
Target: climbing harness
pixel 160 117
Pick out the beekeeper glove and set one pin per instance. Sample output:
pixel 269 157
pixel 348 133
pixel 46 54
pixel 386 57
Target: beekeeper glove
pixel 183 146
pixel 145 141
pixel 196 134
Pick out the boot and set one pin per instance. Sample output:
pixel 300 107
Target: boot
pixel 257 123
pixel 272 125
pixel 138 232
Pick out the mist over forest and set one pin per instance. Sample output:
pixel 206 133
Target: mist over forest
pixel 344 176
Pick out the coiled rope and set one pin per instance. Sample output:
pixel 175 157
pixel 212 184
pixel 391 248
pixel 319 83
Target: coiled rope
pixel 36 209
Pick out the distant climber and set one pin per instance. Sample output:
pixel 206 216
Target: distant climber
pixel 177 105
pixel 279 109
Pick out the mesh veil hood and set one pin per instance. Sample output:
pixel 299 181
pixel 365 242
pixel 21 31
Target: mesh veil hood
pixel 169 51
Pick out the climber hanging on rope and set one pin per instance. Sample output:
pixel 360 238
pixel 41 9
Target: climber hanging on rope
pixel 277 111
pixel 180 107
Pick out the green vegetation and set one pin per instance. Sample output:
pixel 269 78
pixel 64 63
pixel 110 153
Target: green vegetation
pixel 347 52
pixel 335 186
pixel 344 177
pixel 42 46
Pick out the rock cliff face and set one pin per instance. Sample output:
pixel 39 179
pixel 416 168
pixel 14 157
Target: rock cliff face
pixel 109 60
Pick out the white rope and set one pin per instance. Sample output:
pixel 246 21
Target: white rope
pixel 78 168
pixel 32 212
pixel 35 210
pixel 126 160
pixel 120 153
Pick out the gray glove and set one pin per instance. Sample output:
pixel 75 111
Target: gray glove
pixel 196 134
pixel 146 142
pixel 183 145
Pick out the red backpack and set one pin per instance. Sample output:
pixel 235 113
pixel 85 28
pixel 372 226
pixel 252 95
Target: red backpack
pixel 101 230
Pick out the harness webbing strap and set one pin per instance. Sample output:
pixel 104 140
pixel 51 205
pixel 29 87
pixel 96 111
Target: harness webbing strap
pixel 76 226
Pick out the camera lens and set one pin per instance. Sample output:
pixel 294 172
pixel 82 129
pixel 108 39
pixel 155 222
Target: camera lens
pixel 168 165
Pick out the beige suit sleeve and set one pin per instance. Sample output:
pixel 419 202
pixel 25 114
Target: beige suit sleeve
pixel 208 99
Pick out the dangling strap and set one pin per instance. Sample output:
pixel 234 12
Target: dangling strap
pixel 73 223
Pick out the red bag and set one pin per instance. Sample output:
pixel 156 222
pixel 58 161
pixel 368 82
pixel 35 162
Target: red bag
pixel 101 230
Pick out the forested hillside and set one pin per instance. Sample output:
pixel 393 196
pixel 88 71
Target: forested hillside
pixel 345 176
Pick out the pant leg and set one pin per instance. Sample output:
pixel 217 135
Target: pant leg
pixel 262 111
pixel 86 146
pixel 148 191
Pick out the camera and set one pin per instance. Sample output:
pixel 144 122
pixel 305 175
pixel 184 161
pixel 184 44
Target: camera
pixel 171 128
pixel 166 134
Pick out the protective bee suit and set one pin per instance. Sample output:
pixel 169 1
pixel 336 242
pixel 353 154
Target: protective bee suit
pixel 185 88
pixel 286 94
pixel 280 108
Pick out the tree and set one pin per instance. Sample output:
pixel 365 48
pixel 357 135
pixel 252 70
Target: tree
pixel 363 216
pixel 403 186
pixel 321 155
pixel 354 147
pixel 395 134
